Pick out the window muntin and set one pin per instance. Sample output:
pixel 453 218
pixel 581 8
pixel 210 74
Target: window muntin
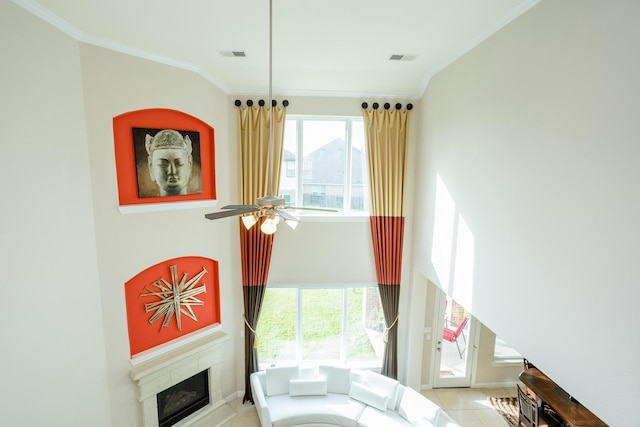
pixel 331 323
pixel 333 170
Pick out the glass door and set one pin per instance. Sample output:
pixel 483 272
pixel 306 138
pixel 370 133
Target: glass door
pixel 453 344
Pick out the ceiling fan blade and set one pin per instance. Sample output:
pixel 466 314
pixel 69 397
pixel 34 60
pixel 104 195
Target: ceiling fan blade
pixel 298 208
pixel 287 215
pixel 239 206
pixel 224 214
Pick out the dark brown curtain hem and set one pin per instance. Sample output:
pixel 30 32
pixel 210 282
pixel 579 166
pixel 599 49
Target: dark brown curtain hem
pixel 253 296
pixel 390 297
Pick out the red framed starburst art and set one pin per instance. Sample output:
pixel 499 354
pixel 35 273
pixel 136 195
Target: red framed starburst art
pixel 171 299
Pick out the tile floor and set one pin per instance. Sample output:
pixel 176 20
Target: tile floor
pixel 468 406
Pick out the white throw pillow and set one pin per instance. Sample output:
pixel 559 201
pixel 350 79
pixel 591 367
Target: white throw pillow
pixel 358 376
pixel 414 406
pixel 277 379
pixel 383 384
pixel 308 387
pixel 338 378
pixel 369 396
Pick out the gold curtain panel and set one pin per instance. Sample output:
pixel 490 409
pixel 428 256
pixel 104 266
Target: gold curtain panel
pixel 253 134
pixel 387 132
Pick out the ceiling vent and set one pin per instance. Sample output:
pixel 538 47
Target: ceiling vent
pixel 400 57
pixel 233 53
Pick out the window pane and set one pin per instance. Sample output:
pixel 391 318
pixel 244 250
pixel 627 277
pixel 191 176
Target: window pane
pixel 277 325
pixel 324 163
pixel 359 174
pixel 321 323
pixel 365 324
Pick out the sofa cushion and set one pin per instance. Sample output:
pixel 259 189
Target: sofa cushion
pixel 368 395
pixel 414 406
pixel 372 417
pixel 384 384
pixel 338 378
pixel 332 409
pixel 307 387
pixel 277 379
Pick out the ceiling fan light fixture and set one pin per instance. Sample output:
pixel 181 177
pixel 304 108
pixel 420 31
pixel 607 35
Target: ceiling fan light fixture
pixel 269 226
pixel 249 221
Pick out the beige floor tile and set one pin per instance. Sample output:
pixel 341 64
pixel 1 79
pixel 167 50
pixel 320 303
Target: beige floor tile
pixel 453 399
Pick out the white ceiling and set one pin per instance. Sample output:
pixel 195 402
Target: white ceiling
pixel 324 48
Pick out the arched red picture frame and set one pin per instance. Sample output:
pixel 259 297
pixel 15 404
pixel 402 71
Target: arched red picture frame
pixel 148 294
pixel 128 153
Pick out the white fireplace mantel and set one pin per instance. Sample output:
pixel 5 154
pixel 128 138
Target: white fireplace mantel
pixel 170 368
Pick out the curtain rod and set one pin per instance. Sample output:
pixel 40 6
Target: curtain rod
pixel 375 106
pixel 261 103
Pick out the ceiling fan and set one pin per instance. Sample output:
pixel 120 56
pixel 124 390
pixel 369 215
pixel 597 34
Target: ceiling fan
pixel 271 207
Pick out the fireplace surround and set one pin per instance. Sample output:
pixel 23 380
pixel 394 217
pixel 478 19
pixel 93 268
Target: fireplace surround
pixel 159 373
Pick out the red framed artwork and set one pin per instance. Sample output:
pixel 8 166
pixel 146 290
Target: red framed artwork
pixel 170 300
pixel 164 158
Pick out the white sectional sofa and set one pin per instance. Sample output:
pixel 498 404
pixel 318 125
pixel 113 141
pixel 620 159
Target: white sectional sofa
pixel 326 395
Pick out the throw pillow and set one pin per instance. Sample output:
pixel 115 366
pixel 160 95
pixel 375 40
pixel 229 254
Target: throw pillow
pixel 383 384
pixel 277 379
pixel 338 378
pixel 368 395
pixel 414 406
pixel 307 387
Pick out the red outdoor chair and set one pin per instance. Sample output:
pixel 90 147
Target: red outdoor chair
pixel 452 336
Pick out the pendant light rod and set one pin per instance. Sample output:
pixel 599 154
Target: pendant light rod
pixel 270 105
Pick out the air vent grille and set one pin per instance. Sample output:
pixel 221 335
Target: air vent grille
pixel 401 57
pixel 233 53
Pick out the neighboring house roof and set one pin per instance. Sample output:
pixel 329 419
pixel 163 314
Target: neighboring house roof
pixel 328 164
pixel 288 156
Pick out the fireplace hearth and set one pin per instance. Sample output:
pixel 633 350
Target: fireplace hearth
pixel 166 401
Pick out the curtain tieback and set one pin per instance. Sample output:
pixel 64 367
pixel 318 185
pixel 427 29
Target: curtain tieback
pixel 255 334
pixel 385 336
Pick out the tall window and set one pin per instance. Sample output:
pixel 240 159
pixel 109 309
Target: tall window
pixel 325 163
pixel 332 323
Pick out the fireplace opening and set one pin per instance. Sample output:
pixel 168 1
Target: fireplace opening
pixel 183 399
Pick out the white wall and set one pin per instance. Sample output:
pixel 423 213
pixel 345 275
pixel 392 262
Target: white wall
pixel 52 356
pixel 535 224
pixel 129 243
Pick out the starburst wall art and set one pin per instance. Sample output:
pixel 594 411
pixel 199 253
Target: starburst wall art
pixel 171 299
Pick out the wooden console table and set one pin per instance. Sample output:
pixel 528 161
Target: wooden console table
pixel 568 409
